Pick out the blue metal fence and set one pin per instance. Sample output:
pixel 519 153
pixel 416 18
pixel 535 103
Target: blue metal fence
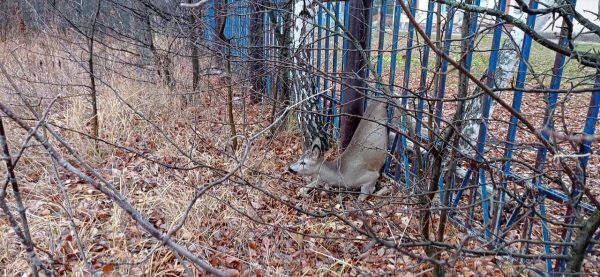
pixel 479 220
pixel 236 30
pixel 487 217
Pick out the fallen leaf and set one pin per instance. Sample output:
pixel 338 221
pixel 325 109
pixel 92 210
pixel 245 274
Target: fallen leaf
pixel 107 268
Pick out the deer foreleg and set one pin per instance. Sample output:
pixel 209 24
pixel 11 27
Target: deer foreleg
pixel 304 192
pixel 368 187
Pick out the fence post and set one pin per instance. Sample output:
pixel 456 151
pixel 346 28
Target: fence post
pixel 355 71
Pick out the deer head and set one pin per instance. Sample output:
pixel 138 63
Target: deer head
pixel 310 162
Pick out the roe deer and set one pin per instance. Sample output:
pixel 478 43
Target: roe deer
pixel 360 164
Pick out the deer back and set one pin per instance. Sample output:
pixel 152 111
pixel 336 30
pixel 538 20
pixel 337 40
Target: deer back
pixel 368 147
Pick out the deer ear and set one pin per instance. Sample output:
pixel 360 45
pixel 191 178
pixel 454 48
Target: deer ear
pixel 315 151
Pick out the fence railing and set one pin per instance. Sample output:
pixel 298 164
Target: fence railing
pixel 508 163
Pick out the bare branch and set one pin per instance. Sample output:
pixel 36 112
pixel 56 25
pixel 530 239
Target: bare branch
pixel 194 5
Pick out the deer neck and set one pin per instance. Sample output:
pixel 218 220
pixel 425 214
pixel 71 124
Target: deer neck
pixel 330 172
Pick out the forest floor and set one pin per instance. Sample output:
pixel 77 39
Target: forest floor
pixel 159 153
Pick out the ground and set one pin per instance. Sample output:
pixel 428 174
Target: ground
pixel 157 152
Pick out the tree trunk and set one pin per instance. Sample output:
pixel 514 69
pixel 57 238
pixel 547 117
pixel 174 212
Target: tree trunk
pixel 232 128
pixel 508 58
pixel 162 61
pixel 93 91
pixel 312 124
pixel 146 49
pixel 227 43
pixel 283 39
pixel 355 71
pixel 584 236
pixel 195 59
pixel 220 7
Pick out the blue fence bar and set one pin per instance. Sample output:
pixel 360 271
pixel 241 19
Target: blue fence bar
pixel 518 96
pixel 424 70
pixel 327 38
pixel 444 70
pixel 344 47
pixel 319 49
pixel 210 22
pixel 485 114
pixel 369 43
pixel 589 130
pixel 381 39
pixel 405 96
pixel 336 120
pixel 473 30
pixel 330 54
pixel 548 124
pixel 392 80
